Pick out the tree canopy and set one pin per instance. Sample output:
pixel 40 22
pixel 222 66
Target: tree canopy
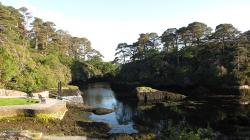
pixel 186 56
pixel 35 55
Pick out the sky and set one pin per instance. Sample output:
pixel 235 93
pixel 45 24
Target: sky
pixel 106 23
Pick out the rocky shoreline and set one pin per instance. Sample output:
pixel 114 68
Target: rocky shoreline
pixel 74 123
pixel 127 90
pixel 148 94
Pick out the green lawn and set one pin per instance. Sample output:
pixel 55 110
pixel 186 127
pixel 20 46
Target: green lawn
pixel 16 101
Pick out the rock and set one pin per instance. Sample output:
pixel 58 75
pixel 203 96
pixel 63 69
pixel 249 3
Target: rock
pixel 100 127
pixel 174 96
pixel 79 106
pixel 150 94
pixel 135 136
pixel 145 90
pixel 97 111
pixel 244 100
pixel 102 111
pixel 20 135
pixel 68 90
pixel 121 137
pixel 244 87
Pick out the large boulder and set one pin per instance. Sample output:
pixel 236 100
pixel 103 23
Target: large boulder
pixel 149 94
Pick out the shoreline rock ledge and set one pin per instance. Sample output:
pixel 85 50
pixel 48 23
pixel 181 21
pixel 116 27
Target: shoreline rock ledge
pixel 149 94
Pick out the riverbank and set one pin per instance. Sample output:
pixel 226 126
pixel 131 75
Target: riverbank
pixel 52 109
pixel 167 119
pixel 74 123
pixel 126 90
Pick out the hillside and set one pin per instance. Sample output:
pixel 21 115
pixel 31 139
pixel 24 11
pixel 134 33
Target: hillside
pixel 34 55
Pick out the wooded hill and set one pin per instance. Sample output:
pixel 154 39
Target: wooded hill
pixel 193 55
pixel 34 55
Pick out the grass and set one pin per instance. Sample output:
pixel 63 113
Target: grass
pixel 68 87
pixel 44 117
pixel 16 101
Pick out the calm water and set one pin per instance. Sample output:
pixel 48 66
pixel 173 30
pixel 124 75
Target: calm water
pixel 223 115
pixel 101 95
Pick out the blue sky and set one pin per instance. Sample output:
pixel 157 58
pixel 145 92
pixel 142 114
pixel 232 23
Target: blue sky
pixel 109 22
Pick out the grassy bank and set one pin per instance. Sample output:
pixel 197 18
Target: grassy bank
pixel 16 101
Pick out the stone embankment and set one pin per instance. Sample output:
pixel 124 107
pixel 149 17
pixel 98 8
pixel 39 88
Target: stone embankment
pixel 5 93
pixel 149 94
pixel 52 108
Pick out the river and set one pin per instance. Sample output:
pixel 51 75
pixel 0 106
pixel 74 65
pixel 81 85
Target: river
pixel 223 116
pixel 101 95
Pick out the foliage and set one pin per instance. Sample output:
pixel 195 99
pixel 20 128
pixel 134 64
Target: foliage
pixel 37 58
pixel 44 118
pixel 105 67
pixel 82 71
pixel 188 56
pixel 176 133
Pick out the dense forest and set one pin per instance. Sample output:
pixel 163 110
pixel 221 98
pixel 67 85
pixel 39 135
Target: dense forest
pixel 194 55
pixel 34 55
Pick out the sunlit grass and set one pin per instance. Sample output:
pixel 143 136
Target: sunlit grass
pixel 16 101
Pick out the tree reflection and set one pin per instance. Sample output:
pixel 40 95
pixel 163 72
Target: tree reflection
pixel 124 113
pixel 222 116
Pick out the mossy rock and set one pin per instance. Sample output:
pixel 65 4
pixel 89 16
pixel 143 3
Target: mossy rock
pixel 121 137
pixel 71 87
pixel 145 90
pixel 149 94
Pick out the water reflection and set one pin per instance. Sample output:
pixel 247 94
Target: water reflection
pixel 100 95
pixel 222 116
pixel 124 113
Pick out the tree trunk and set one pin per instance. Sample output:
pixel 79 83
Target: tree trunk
pixel 36 46
pixel 177 51
pixel 238 62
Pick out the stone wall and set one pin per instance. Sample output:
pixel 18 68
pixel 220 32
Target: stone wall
pixel 56 110
pixel 11 93
pixel 148 94
pixel 5 93
pixel 44 94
